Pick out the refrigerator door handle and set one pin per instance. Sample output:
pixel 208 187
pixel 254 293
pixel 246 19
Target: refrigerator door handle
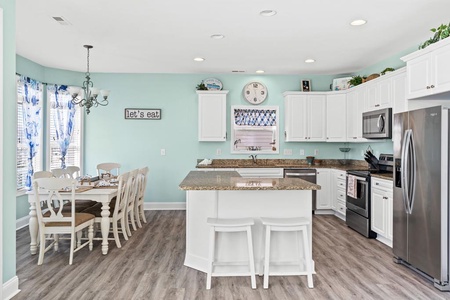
pixel 405 171
pixel 412 174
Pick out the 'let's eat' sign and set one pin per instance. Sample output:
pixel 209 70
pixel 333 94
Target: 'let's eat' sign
pixel 142 114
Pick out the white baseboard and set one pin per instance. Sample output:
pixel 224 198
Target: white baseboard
pixel 22 222
pixel 164 205
pixel 11 288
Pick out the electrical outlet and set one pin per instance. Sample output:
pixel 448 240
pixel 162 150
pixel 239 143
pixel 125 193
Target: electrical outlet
pixel 316 151
pixel 218 151
pixel 163 152
pixel 302 152
pixel 287 152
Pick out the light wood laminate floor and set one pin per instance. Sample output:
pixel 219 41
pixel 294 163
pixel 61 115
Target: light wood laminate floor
pixel 150 266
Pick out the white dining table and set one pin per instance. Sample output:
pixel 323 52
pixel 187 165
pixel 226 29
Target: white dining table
pixel 102 195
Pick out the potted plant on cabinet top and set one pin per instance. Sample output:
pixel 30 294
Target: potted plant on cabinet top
pixel 440 33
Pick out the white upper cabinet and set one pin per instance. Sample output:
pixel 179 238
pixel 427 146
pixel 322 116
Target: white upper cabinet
pixel 304 117
pixel 212 116
pixel 355 109
pixel 379 94
pixel 398 87
pixel 336 117
pixel 428 70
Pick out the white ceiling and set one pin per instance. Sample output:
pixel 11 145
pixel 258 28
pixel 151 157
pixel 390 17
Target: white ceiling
pixel 163 36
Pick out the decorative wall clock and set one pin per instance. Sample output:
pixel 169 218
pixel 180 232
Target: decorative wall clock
pixel 255 92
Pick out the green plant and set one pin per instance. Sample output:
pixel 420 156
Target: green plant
pixel 387 70
pixel 201 87
pixel 356 80
pixel 440 33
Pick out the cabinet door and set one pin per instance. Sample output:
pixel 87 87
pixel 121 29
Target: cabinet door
pixel 441 68
pixel 324 194
pixel 384 93
pixel 296 111
pixel 336 118
pixel 419 77
pixel 317 118
pixel 372 96
pixel 399 101
pixel 212 117
pixel 389 216
pixel 355 109
pixel 378 213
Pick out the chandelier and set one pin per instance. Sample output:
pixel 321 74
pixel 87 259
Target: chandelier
pixel 90 92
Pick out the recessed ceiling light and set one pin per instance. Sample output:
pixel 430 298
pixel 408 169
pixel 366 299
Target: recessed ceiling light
pixel 217 36
pixel 260 71
pixel 199 59
pixel 358 22
pixel 309 60
pixel 268 13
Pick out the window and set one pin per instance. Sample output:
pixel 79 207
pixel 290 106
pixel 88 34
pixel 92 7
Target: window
pixel 29 130
pixel 254 130
pixel 68 119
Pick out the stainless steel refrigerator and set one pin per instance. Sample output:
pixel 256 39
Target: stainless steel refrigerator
pixel 421 200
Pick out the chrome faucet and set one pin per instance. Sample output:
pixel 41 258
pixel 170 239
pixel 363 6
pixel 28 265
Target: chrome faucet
pixel 253 157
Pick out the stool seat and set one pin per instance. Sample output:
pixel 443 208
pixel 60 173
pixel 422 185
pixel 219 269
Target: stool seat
pixel 230 222
pixel 221 225
pixel 285 221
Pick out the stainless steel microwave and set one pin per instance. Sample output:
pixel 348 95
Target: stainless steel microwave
pixel 377 124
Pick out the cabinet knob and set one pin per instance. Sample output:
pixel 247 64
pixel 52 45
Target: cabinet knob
pixel 432 86
pixel 428 87
pixel 384 197
pixel 376 183
pixel 376 105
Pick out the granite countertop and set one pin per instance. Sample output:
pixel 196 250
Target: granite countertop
pixel 285 163
pixel 387 176
pixel 231 180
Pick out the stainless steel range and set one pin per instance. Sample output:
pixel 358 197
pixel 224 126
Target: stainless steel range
pixel 358 193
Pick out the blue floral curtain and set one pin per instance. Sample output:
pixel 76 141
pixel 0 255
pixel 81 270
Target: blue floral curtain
pixel 63 118
pixel 31 111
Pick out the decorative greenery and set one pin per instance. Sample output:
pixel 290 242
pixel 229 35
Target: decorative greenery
pixel 201 87
pixel 387 70
pixel 440 33
pixel 356 80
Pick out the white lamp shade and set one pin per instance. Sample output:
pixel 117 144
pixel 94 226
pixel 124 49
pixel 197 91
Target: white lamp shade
pixel 94 91
pixel 74 90
pixel 105 93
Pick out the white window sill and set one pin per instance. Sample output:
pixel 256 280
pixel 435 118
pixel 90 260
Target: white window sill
pixel 21 192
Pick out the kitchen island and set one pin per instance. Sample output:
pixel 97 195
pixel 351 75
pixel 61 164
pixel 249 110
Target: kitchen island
pixel 225 194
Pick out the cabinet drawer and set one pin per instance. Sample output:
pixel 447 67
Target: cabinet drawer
pixel 340 175
pixel 382 184
pixel 261 172
pixel 340 207
pixel 340 184
pixel 340 195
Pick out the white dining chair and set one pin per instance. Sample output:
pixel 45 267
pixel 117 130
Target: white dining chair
pixel 52 220
pixel 139 203
pixel 60 173
pixel 42 174
pixel 116 210
pixel 73 171
pixel 131 198
pixel 112 169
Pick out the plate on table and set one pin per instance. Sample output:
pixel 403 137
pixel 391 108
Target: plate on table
pixel 213 84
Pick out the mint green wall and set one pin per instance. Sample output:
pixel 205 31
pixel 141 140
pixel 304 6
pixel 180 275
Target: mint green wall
pixel 136 143
pixel 9 138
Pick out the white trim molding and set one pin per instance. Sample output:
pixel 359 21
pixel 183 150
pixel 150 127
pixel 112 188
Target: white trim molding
pixel 164 205
pixel 11 288
pixel 22 222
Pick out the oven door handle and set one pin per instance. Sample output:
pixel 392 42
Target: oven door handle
pixel 358 178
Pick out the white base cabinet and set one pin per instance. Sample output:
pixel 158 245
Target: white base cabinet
pixel 324 200
pixel 381 209
pixel 212 116
pixel 338 192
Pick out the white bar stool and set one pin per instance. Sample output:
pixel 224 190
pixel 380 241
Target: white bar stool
pixel 230 225
pixel 288 224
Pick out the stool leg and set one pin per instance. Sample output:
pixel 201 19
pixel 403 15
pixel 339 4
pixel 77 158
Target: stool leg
pixel 251 257
pixel 212 243
pixel 306 250
pixel 267 258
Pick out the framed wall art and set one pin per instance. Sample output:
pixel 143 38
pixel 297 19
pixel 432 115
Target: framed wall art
pixel 305 85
